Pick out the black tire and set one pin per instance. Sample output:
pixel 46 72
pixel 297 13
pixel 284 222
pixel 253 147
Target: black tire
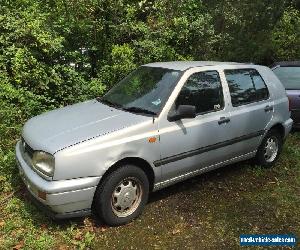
pixel 103 199
pixel 261 158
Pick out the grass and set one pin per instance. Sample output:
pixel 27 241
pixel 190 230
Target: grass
pixel 206 212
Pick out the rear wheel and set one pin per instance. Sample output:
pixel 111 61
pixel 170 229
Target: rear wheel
pixel 122 195
pixel 270 149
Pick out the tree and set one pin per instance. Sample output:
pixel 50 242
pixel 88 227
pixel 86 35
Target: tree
pixel 286 36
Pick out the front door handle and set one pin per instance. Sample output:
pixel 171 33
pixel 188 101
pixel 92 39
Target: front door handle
pixel 223 120
pixel 268 108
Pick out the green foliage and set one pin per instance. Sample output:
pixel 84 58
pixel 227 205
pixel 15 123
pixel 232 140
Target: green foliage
pixel 121 63
pixel 286 35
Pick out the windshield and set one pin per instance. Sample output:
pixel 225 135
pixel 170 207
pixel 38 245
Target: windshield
pixel 289 76
pixel 145 90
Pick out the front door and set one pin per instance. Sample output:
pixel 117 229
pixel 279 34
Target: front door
pixel 188 145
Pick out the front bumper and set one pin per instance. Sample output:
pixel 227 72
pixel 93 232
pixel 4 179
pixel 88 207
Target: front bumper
pixel 64 198
pixel 58 216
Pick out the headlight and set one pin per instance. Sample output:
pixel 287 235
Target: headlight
pixel 43 162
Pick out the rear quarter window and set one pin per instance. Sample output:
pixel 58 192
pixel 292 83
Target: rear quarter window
pixel 262 92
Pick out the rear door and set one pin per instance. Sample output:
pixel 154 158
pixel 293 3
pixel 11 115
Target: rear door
pixel 251 107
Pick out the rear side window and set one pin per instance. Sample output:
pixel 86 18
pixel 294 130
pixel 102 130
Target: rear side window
pixel 203 90
pixel 245 86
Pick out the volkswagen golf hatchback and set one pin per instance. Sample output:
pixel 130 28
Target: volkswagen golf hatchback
pixel 163 123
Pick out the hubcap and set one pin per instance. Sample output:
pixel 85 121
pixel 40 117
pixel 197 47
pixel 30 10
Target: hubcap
pixel 126 197
pixel 271 149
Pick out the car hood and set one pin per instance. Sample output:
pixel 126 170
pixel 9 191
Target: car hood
pixel 60 128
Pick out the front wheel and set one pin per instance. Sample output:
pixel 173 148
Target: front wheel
pixel 270 149
pixel 122 195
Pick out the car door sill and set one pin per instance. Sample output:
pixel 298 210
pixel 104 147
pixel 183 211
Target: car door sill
pixel 188 175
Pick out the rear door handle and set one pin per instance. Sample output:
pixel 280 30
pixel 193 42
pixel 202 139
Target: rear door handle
pixel 268 108
pixel 223 120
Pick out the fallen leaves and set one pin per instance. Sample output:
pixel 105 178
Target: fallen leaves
pixel 78 236
pixel 19 246
pixel 63 247
pixel 176 231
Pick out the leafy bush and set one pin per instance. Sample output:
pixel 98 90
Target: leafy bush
pixel 286 35
pixel 55 53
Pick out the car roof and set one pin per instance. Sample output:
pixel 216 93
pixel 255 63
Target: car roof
pixel 286 64
pixel 184 65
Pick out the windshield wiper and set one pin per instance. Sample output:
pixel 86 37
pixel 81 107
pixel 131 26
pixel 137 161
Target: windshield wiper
pixel 139 110
pixel 130 109
pixel 109 103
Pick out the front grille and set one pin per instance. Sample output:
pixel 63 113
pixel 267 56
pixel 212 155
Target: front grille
pixel 26 148
pixel 27 151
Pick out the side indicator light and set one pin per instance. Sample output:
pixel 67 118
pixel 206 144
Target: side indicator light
pixel 152 139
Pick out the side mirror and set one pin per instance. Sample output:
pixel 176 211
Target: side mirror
pixel 183 111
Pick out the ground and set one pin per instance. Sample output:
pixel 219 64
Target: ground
pixel 206 212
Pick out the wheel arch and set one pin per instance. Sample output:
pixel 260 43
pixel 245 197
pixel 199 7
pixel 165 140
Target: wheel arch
pixel 280 128
pixel 139 162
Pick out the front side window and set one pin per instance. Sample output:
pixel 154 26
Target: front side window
pixel 245 86
pixel 145 90
pixel 289 76
pixel 202 90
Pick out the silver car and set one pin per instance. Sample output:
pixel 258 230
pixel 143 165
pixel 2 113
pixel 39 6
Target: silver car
pixel 163 123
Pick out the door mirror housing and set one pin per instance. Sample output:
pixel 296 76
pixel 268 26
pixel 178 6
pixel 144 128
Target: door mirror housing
pixel 183 111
